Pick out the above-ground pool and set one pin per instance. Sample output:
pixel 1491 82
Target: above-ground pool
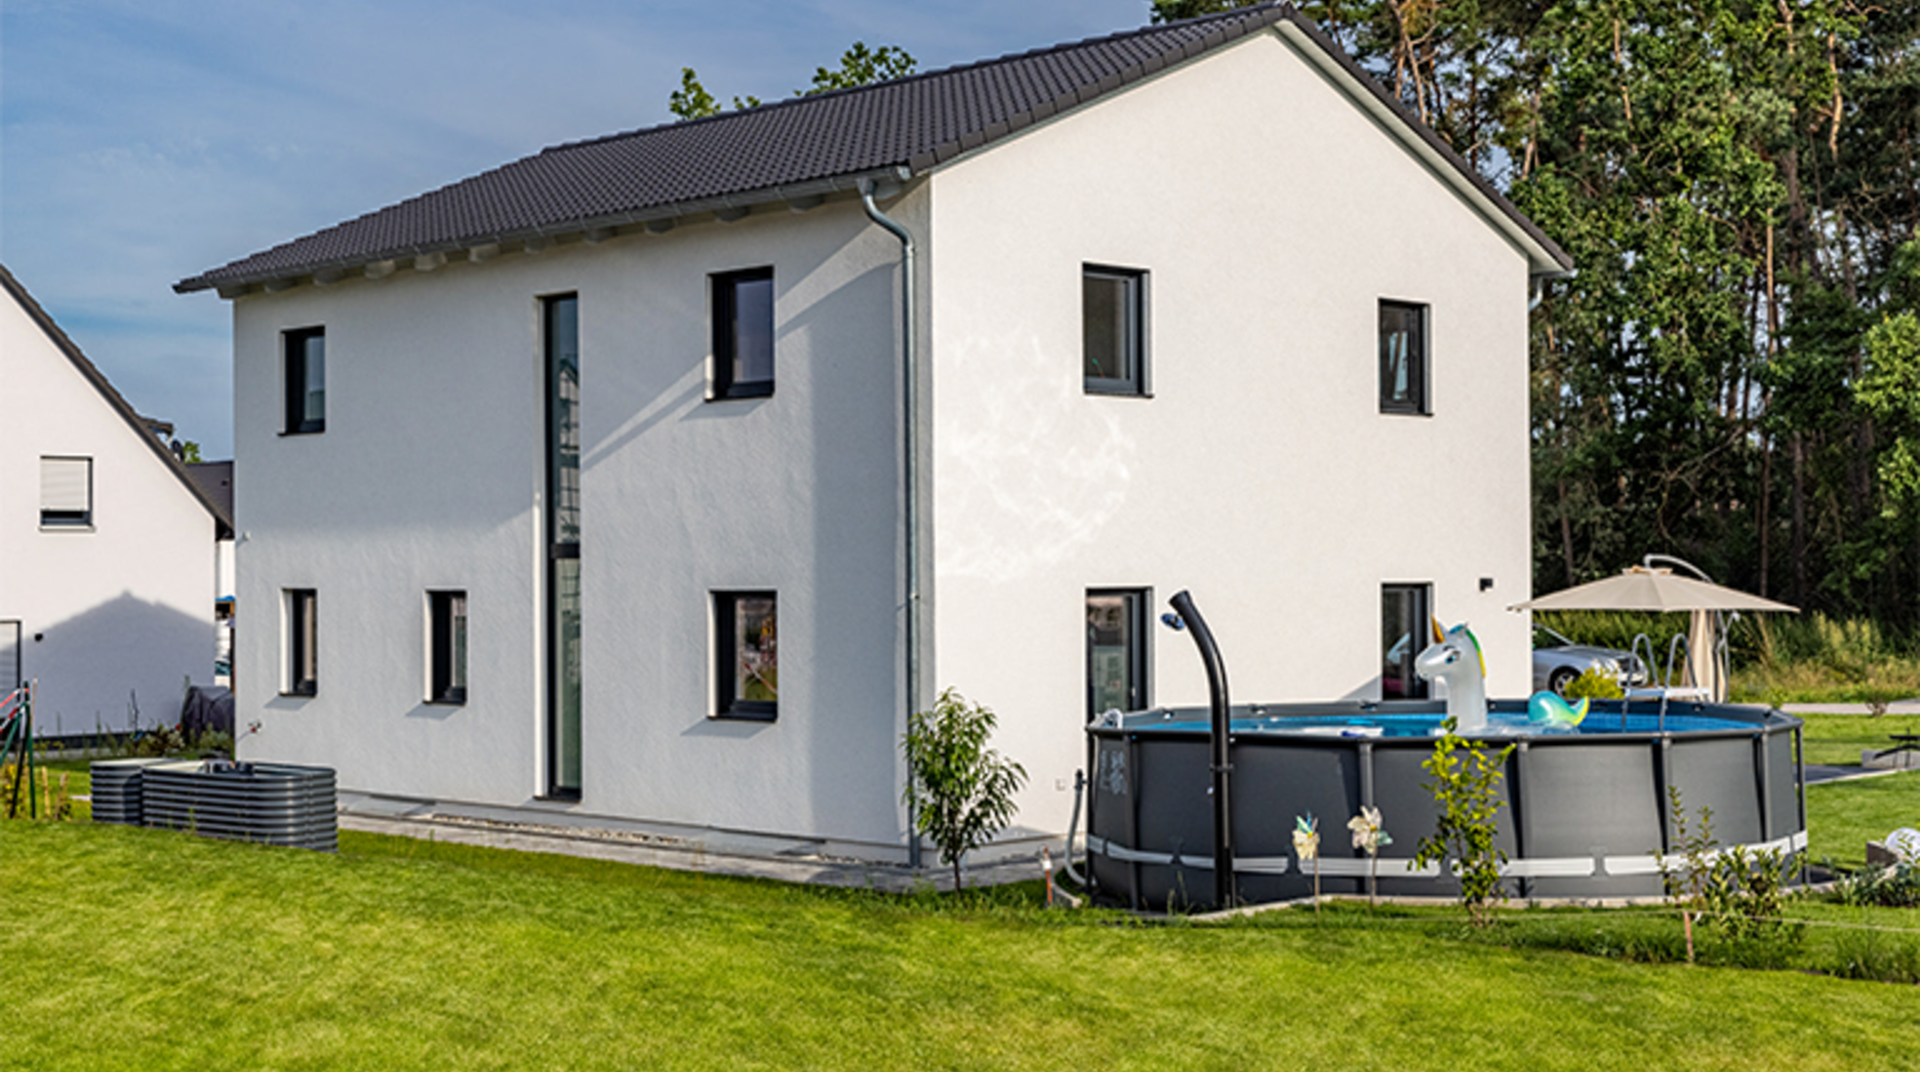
pixel 1585 812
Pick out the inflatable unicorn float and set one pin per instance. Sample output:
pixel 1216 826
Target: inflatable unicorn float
pixel 1454 659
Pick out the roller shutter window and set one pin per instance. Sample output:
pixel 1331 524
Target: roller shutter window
pixel 66 493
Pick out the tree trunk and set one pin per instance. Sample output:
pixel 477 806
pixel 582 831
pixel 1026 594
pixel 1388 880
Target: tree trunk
pixel 1799 540
pixel 1566 533
pixel 1766 509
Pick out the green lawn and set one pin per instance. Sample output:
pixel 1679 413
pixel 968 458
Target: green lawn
pixel 1839 739
pixel 129 948
pixel 1842 817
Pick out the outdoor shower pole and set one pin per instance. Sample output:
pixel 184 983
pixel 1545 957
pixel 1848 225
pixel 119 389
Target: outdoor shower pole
pixel 1182 604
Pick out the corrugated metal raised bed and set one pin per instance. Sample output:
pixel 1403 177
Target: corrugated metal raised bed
pixel 270 803
pixel 116 789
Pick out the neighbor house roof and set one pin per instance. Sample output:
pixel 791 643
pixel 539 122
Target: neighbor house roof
pixel 216 479
pixel 142 426
pixel 809 146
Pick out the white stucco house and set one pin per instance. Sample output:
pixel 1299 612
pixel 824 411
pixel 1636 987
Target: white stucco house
pixel 106 546
pixel 653 478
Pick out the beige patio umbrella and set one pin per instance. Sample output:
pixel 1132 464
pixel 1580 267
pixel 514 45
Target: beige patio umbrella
pixel 1657 589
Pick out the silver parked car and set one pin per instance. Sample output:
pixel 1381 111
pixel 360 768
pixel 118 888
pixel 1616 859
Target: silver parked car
pixel 1557 661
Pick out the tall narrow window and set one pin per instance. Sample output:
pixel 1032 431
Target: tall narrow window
pixel 748 655
pixel 302 609
pixel 305 379
pixel 66 493
pixel 1405 630
pixel 563 544
pixel 1113 330
pixel 1116 650
pixel 1403 358
pixel 447 647
pixel 743 334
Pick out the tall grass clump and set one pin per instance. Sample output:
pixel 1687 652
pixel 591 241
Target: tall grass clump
pixel 1814 658
pixel 1776 658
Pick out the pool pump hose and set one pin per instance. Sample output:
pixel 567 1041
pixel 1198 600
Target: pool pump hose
pixel 1073 826
pixel 1182 604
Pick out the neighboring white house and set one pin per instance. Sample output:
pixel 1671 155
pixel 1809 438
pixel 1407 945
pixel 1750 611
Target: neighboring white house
pixel 106 546
pixel 215 480
pixel 582 484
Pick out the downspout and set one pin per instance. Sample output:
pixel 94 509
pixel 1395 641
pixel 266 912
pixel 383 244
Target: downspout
pixel 910 492
pixel 1537 286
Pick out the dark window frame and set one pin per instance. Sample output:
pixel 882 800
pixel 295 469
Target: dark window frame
pixel 447 646
pixel 560 318
pixel 66 520
pixel 725 614
pixel 293 368
pixel 726 315
pixel 1412 686
pixel 1136 383
pixel 303 642
pixel 1419 358
pixel 1139 648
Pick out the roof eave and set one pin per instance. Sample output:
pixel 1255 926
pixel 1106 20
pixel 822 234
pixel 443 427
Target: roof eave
pixel 235 285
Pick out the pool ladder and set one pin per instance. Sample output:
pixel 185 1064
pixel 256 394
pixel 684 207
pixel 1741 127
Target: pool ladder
pixel 1679 643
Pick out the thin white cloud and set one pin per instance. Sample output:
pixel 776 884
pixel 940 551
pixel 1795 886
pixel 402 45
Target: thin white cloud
pixel 142 142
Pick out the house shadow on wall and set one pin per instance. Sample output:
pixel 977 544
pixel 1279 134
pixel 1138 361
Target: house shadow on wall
pixel 125 658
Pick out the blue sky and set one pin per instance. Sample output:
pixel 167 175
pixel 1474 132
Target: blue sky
pixel 143 142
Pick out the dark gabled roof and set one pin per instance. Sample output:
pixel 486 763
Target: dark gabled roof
pixel 793 148
pixel 223 519
pixel 216 480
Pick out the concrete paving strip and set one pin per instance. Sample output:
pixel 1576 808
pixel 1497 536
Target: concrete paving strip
pixel 1822 774
pixel 745 856
pixel 1897 707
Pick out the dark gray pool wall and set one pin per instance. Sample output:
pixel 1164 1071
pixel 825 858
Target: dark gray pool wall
pixel 1581 816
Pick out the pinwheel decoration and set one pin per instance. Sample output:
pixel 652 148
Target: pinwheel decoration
pixel 1368 835
pixel 1306 845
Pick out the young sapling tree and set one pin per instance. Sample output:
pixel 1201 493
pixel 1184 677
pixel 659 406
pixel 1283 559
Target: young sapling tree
pixel 962 789
pixel 1467 792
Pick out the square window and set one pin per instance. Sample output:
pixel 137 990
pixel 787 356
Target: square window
pixel 743 334
pixel 1113 330
pixel 1116 650
pixel 1405 626
pixel 447 647
pixel 306 380
pixel 302 609
pixel 748 665
pixel 1403 358
pixel 66 493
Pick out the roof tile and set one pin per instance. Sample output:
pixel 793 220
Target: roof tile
pixel 914 123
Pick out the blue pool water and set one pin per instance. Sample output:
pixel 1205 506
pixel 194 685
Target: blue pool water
pixel 1427 724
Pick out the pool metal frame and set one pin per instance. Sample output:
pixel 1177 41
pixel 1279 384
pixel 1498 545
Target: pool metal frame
pixel 1583 816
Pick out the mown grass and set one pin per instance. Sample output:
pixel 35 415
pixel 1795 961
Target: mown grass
pixel 139 948
pixel 1839 740
pixel 1843 816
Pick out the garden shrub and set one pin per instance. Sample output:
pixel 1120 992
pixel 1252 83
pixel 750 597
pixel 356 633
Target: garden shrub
pixel 1595 684
pixel 1894 887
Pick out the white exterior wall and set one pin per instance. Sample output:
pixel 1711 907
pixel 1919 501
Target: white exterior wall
pixel 1260 475
pixel 430 475
pixel 1272 215
pixel 122 610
